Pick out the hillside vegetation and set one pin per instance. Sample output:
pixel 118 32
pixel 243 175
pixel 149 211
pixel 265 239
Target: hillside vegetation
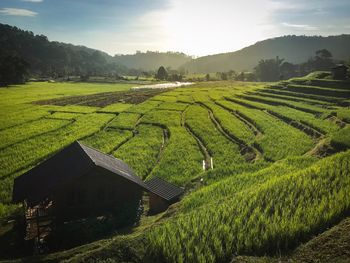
pixel 294 49
pixel 54 59
pixel 280 156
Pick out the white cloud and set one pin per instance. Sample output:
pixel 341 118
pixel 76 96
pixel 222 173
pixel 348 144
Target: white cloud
pixel 17 12
pixel 33 1
pixel 303 27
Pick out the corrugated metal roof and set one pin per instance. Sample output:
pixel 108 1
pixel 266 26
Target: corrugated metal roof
pixel 112 164
pixel 164 189
pixel 73 161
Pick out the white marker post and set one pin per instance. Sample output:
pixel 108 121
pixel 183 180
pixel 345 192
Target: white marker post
pixel 203 165
pixel 211 163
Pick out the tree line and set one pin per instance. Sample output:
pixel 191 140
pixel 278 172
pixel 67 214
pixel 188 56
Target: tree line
pixel 25 55
pixel 276 69
pixel 279 69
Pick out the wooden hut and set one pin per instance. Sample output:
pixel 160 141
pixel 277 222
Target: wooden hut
pixel 162 194
pixel 339 72
pixel 80 181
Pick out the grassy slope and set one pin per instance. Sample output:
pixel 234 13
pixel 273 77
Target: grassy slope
pixel 216 197
pixel 30 133
pixel 331 246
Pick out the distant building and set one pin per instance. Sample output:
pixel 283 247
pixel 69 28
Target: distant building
pixel 80 181
pixel 339 72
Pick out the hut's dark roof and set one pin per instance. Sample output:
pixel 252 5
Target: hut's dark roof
pixel 339 66
pixel 164 189
pixel 112 164
pixel 73 161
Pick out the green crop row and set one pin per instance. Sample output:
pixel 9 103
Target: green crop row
pixel 70 108
pixel 344 114
pixel 165 98
pixel 184 98
pixel 116 108
pixel 107 140
pixel 226 188
pixel 223 151
pixel 35 91
pixel 19 114
pixel 318 91
pixel 232 123
pixel 325 126
pixel 28 130
pixel 26 153
pixel 269 218
pixel 181 159
pixel 172 106
pixel 294 94
pixel 64 115
pixel 144 107
pixel 279 140
pixel 125 120
pixel 292 104
pixel 163 117
pixel 285 98
pixel 341 139
pixel 141 152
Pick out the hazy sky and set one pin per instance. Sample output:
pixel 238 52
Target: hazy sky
pixel 195 27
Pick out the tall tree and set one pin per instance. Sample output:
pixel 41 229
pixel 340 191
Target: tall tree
pixel 268 69
pixel 13 69
pixel 287 70
pixel 323 54
pixel 321 61
pixel 162 74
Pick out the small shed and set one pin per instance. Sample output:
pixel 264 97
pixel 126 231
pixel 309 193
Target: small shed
pixel 80 181
pixel 339 72
pixel 162 194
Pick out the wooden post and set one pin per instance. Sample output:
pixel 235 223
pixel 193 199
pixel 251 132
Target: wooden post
pixel 37 224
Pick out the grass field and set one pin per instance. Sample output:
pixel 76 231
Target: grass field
pixel 280 152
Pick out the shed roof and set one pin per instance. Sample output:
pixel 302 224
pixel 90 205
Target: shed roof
pixel 340 66
pixel 73 161
pixel 164 189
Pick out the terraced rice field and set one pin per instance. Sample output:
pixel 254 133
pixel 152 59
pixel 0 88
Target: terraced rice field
pixel 258 162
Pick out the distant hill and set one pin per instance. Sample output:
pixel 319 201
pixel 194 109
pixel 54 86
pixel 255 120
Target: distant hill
pixel 54 58
pixel 152 60
pixel 294 49
pixel 49 58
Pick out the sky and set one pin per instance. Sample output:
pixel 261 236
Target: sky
pixel 195 27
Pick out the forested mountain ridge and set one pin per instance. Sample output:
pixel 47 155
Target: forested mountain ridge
pixel 294 49
pixel 48 58
pixel 51 58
